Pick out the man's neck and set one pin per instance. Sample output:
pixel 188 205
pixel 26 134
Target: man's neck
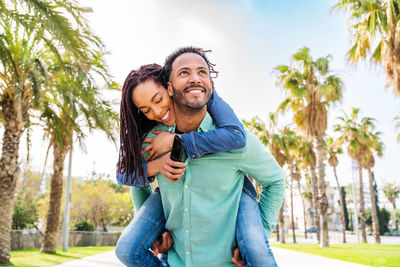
pixel 188 120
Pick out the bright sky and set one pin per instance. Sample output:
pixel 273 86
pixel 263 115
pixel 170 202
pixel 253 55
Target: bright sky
pixel 248 39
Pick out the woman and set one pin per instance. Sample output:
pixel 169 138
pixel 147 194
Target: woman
pixel 145 102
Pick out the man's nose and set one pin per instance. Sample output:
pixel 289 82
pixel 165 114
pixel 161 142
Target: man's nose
pixel 194 78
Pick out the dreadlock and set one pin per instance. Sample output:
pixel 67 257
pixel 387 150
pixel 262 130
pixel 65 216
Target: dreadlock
pixel 188 49
pixel 134 124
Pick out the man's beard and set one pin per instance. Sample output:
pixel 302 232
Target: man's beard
pixel 195 105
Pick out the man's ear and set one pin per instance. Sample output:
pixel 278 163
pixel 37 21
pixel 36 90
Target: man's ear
pixel 212 87
pixel 169 89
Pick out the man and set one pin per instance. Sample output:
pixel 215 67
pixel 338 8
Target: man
pixel 201 208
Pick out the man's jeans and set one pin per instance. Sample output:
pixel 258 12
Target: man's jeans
pixel 148 224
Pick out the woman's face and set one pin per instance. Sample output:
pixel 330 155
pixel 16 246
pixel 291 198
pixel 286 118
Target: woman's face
pixel 155 103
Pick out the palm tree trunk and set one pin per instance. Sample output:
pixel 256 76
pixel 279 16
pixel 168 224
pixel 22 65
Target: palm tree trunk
pixel 375 221
pixel 304 210
pixel 341 203
pixel 281 221
pixel 362 205
pixel 322 198
pixel 315 201
pixel 53 216
pixel 9 169
pixel 291 209
pixel 277 232
pixel 396 223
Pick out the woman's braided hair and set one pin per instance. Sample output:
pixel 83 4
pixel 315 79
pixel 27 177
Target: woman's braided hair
pixel 134 125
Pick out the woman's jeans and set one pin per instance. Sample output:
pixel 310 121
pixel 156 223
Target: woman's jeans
pixel 250 234
pixel 148 224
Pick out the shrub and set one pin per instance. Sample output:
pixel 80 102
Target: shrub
pixel 85 225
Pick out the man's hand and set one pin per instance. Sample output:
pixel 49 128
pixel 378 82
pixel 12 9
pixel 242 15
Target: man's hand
pixel 159 144
pixel 163 243
pixel 237 258
pixel 172 170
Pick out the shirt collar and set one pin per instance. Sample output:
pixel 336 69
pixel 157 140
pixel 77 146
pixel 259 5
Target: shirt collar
pixel 205 124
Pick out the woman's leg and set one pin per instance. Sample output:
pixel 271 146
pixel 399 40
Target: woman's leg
pixel 147 225
pixel 250 234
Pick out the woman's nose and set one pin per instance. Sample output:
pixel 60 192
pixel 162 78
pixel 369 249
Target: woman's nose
pixel 157 111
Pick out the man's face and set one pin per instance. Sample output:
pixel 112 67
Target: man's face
pixel 190 84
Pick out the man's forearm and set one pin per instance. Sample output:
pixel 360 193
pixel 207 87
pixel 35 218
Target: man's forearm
pixel 270 202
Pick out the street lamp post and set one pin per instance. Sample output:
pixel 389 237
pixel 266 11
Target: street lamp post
pixel 67 197
pixel 67 205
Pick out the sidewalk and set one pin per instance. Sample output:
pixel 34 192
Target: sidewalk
pixel 284 258
pixel 99 260
pixel 289 258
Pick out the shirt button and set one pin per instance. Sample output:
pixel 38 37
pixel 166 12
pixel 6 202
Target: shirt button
pixel 187 252
pixel 187 231
pixel 186 186
pixel 186 210
pixel 193 156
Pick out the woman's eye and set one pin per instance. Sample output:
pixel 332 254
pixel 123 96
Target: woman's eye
pixel 146 111
pixel 159 100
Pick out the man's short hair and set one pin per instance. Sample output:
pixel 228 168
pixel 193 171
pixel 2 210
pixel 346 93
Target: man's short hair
pixel 188 49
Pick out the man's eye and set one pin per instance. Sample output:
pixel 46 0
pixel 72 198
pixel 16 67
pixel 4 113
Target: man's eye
pixel 183 73
pixel 203 72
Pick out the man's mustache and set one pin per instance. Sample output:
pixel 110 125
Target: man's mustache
pixel 194 86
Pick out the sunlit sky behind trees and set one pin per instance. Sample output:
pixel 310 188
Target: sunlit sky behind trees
pixel 248 39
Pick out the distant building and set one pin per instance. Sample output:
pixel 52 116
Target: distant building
pixel 333 210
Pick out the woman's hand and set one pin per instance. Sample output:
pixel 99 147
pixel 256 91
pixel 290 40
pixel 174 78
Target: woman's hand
pixel 159 144
pixel 163 243
pixel 166 167
pixel 237 258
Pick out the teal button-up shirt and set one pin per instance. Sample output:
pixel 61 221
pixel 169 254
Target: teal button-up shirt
pixel 201 208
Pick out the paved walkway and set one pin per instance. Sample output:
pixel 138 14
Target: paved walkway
pixel 284 258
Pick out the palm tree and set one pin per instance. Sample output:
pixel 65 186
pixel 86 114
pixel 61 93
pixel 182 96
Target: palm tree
pixel 392 192
pixel 397 120
pixel 368 162
pixel 297 176
pixel 73 102
pixel 308 157
pixel 289 142
pixel 352 133
pixel 375 21
pixel 27 29
pixel 311 88
pixel 333 161
pixel 21 75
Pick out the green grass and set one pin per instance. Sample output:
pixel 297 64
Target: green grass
pixel 368 254
pixel 33 257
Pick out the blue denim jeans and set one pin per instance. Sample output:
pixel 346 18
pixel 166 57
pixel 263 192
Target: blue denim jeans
pixel 148 224
pixel 250 235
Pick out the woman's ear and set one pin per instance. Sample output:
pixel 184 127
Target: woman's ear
pixel 169 89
